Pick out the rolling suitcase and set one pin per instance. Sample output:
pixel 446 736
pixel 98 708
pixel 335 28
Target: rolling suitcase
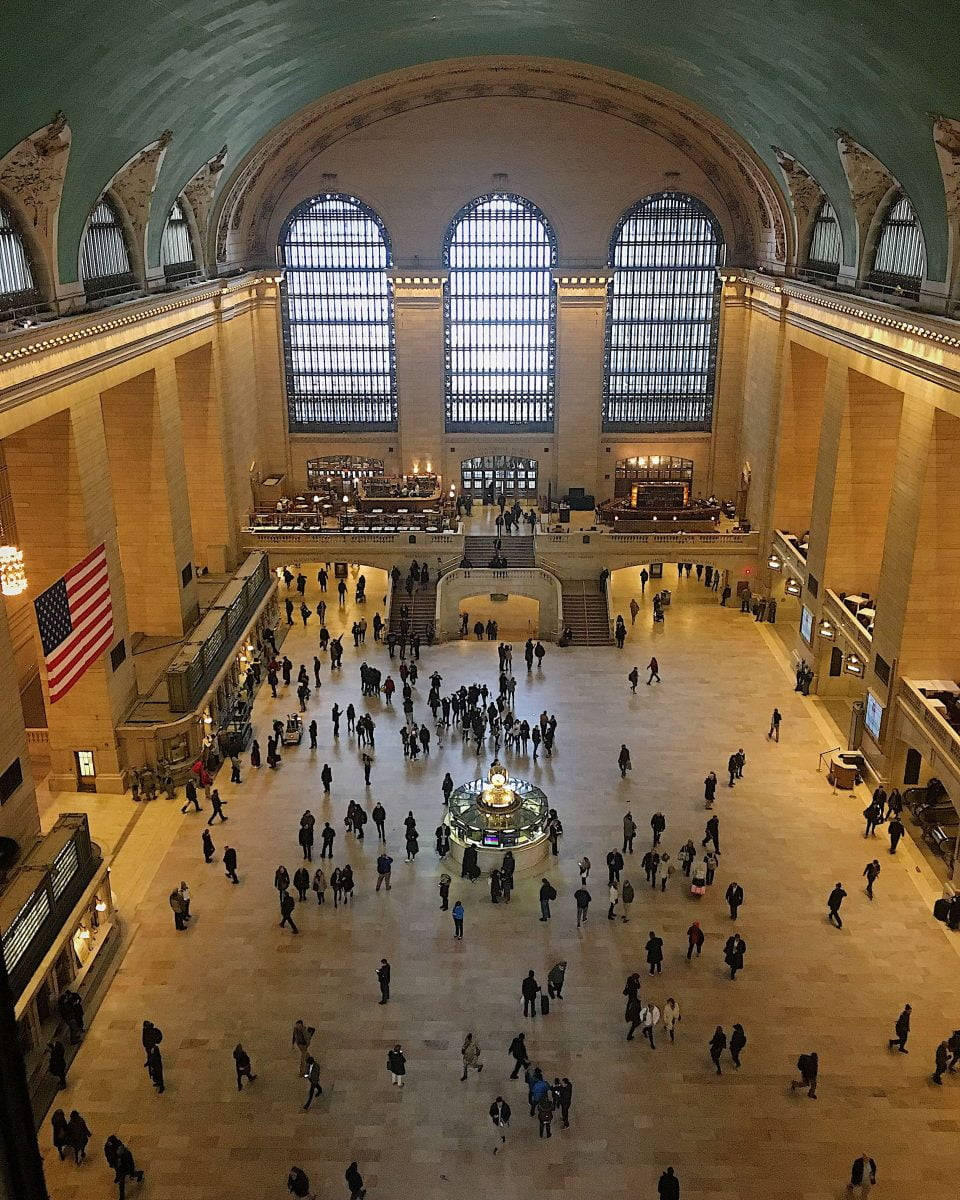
pixel 544 1003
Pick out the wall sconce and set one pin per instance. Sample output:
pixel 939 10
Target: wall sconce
pixel 429 467
pixel 826 630
pixel 100 906
pixel 792 587
pixel 346 498
pixel 853 665
pixel 13 579
pixel 775 562
pixel 416 468
pixel 84 933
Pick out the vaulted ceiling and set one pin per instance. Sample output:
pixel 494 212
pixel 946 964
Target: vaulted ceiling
pixel 779 72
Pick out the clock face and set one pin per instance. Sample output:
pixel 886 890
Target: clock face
pixel 498 779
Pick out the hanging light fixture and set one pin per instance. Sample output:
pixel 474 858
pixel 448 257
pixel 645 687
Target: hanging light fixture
pixel 13 578
pixel 826 629
pixel 792 587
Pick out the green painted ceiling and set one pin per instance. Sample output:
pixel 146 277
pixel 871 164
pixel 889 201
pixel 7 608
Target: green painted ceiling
pixel 213 71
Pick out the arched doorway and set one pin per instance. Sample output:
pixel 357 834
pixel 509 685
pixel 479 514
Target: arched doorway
pixel 499 474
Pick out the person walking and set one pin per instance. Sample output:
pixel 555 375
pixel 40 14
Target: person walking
pixel 582 898
pixel 208 847
pixel 718 1043
pixel 614 866
pixel 902 1031
pixel 518 1052
pixel 873 814
pixel 712 833
pixel 397 1065
pixel 863 1175
pixel 383 979
pixel 658 823
pixel 695 940
pixel 870 872
pixel 547 893
pixel 654 950
pixel 176 904
pixel 809 1067
pixel 545 1111
pixel 241 1062
pixel 710 789
pixel 79 1135
pixel 302 1037
pixel 286 911
pixel 57 1063
pixel 470 1053
pixel 633 678
pixel 379 814
pixel 384 870
pixel 301 881
pixel 312 1075
pixel 500 1115
pixel 444 887
pixel 457 914
pixel 774 731
pixel 60 1133
pixel 649 1016
pixel 895 830
pixel 834 900
pixel 614 892
pixel 941 1062
pixel 668 1186
pixel 654 669
pixel 738 1041
pixel 155 1068
pixel 190 793
pixel 733 952
pixel 555 979
pixel 629 832
pixel 671 1017
pixel 626 896
pixel 734 898
pixel 217 805
pixel 327 834
pixel 230 864
pixel 563 1091
pixel 125 1167
pixel 623 761
pixel 530 989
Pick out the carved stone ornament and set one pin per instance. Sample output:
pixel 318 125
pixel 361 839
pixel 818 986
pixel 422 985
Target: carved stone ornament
pixel 946 137
pixel 134 185
pixel 199 193
pixel 868 180
pixel 33 173
pixel 805 193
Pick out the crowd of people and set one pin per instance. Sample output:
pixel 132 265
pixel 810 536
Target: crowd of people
pixel 486 716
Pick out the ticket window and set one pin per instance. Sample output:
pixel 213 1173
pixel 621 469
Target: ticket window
pixel 86 771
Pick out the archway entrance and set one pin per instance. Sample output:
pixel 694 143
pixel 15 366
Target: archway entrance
pixel 516 618
pixel 492 475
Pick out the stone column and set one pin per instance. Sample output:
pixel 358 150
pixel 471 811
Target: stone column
pixel 578 419
pixel 60 488
pixel 418 321
pixel 19 816
pixel 141 420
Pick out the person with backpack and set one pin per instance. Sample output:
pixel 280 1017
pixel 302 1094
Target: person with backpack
pixel 547 893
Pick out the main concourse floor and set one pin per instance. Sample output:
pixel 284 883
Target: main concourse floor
pixel 234 975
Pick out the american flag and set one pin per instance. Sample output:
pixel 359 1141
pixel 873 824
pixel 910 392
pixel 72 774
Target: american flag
pixel 75 617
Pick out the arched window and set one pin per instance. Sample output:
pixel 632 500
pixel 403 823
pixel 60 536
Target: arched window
pixel 900 259
pixel 500 316
pixel 17 287
pixel 176 248
pixel 338 335
pixel 104 259
pixel 662 316
pixel 826 244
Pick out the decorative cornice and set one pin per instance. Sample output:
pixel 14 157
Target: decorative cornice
pixel 75 329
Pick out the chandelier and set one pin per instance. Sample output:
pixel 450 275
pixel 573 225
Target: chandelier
pixel 13 578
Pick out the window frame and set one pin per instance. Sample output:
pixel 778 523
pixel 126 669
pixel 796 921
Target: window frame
pixel 646 350
pixel 185 267
pixel 296 420
pixel 13 246
pixel 458 422
pixel 97 287
pixel 909 286
pixel 820 266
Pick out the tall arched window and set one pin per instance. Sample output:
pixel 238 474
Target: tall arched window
pixel 662 316
pixel 826 244
pixel 900 259
pixel 176 247
pixel 500 316
pixel 104 259
pixel 17 287
pixel 338 335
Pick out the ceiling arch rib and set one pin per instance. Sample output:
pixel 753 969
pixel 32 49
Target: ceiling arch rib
pixel 757 207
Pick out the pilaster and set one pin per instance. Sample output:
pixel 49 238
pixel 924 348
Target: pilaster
pixel 581 321
pixel 418 321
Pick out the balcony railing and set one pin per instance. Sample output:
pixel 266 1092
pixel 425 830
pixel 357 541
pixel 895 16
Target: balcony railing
pixel 940 731
pixel 846 623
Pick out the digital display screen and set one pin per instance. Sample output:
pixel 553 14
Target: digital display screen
pixel 508 838
pixel 873 716
pixel 491 837
pixel 806 625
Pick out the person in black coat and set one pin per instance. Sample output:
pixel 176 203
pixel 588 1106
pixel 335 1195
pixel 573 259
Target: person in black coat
pixel 738 1042
pixel 668 1186
pixel 241 1061
pixel 734 898
pixel 58 1062
pixel 547 893
pixel 733 953
pixel 863 1171
pixel 355 1182
pixel 902 1031
pixel 834 900
pixel 718 1043
pixel 518 1052
pixel 383 978
pixel 301 881
pixel 500 1116
pixel 529 989
pixel 286 911
pixel 654 949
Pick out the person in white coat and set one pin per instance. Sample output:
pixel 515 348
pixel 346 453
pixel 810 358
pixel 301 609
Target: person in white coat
pixel 671 1016
pixel 649 1017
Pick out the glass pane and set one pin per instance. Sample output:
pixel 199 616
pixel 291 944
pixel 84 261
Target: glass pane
pixel 662 316
pixel 338 317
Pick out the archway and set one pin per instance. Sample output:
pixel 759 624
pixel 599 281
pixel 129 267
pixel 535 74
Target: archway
pixel 515 618
pixel 495 587
pixel 488 476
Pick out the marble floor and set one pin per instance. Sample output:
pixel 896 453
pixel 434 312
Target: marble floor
pixel 785 836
